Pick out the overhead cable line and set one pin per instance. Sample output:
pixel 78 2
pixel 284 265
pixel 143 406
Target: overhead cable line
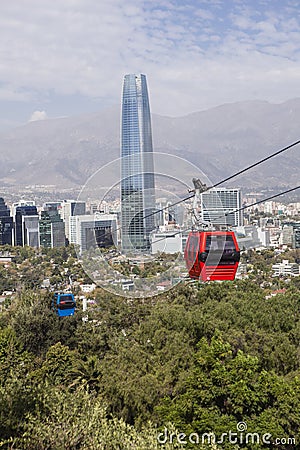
pixel 238 210
pixel 261 201
pixel 257 163
pixel 282 150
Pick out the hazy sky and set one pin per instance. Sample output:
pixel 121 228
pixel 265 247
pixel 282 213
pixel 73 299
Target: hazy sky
pixel 67 57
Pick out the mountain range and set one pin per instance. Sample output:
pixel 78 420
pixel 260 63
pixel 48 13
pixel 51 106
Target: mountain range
pixel 65 151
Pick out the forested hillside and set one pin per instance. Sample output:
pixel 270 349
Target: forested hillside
pixel 197 359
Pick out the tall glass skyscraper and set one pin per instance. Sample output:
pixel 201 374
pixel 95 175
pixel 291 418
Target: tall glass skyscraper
pixel 137 173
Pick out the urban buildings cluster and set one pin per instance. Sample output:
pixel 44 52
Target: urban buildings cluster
pixel 55 224
pixel 137 222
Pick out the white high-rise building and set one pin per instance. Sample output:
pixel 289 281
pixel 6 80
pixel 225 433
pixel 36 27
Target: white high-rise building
pixel 70 208
pixel 219 207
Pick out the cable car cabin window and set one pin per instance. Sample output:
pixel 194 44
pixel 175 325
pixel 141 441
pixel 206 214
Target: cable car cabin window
pixel 221 250
pixel 66 304
pixel 219 242
pixel 193 248
pixel 64 298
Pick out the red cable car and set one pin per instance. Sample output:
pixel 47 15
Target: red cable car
pixel 212 255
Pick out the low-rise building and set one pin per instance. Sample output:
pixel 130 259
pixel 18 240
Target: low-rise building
pixel 285 268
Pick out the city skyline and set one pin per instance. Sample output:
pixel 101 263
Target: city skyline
pixel 270 224
pixel 197 54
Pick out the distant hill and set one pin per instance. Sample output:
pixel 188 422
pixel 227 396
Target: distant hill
pixel 66 151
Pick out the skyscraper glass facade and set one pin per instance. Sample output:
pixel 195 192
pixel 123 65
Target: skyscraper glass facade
pixel 52 229
pixel 26 226
pixel 6 224
pixel 137 172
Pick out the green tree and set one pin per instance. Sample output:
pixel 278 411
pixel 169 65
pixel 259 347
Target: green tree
pixel 224 389
pixel 86 373
pixel 68 421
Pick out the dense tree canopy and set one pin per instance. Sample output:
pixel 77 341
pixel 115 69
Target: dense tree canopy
pixel 200 358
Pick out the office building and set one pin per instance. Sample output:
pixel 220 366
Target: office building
pixel 219 207
pixel 251 236
pixel 98 231
pixel 52 206
pixel 137 173
pixel 166 241
pixel 51 229
pixel 6 224
pixel 287 235
pixel 19 204
pixel 291 234
pixel 52 226
pixel 26 225
pixel 296 240
pixel 166 212
pixel 285 269
pixel 70 208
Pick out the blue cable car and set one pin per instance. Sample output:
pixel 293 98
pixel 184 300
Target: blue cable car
pixel 64 304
